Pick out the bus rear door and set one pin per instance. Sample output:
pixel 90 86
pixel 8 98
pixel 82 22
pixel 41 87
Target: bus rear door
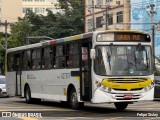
pixel 17 58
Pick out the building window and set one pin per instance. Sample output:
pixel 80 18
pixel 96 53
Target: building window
pixel 40 10
pixel 120 17
pixel 110 19
pixel 89 2
pixel 52 1
pixel 99 22
pixel 27 0
pixel 99 2
pixel 39 0
pixel 26 9
pixel 90 24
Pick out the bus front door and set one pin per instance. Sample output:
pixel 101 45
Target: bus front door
pixel 18 73
pixel 86 84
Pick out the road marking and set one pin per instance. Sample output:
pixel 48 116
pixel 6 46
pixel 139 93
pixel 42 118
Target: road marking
pixel 113 118
pixel 1 110
pixel 155 118
pixel 26 118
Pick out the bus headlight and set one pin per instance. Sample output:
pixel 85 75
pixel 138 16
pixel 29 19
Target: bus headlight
pixel 148 87
pixel 104 88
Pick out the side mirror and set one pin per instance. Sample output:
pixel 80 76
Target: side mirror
pixel 92 54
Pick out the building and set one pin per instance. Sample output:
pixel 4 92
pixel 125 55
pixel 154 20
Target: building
pixel 10 10
pixel 107 14
pixel 124 14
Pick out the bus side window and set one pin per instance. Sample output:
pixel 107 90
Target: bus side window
pixel 17 66
pixel 10 62
pixel 72 55
pixel 26 60
pixel 47 58
pixel 59 59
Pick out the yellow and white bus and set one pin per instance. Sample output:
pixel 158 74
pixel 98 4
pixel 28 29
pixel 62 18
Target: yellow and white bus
pixel 96 67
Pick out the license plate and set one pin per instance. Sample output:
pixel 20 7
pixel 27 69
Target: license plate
pixel 128 96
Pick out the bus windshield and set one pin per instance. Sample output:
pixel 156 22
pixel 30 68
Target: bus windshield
pixel 123 60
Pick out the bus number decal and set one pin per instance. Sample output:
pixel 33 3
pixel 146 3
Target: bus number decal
pixel 65 76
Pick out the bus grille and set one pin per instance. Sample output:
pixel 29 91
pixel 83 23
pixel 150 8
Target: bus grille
pixel 127 80
pixel 121 97
pixel 127 90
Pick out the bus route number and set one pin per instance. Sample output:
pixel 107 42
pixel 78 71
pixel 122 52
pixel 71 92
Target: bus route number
pixel 65 76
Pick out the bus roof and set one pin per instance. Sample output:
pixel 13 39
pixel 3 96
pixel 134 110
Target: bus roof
pixel 66 39
pixel 54 41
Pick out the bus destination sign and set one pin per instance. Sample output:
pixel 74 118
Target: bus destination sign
pixel 123 37
pixel 128 37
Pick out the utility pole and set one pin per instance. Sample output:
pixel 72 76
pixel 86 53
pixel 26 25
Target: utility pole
pixel 93 29
pixel 152 12
pixel 6 42
pixel 107 13
pixel 5 24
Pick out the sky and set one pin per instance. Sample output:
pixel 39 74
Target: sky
pixel 140 18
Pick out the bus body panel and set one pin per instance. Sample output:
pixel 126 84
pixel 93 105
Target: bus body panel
pixel 50 84
pixel 111 98
pixel 11 83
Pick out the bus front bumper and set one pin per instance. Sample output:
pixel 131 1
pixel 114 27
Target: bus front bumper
pixel 122 96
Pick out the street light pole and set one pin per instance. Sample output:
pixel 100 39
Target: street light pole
pixel 152 12
pixel 93 15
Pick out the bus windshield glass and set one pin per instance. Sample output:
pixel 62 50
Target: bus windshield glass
pixel 123 60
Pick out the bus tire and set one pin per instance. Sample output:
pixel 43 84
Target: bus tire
pixel 28 95
pixel 74 101
pixel 121 105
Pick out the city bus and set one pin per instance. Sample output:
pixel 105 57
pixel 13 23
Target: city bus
pixel 114 66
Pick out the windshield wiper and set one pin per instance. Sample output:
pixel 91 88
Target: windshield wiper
pixel 109 60
pixel 110 46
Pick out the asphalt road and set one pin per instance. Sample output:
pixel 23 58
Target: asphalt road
pixel 19 110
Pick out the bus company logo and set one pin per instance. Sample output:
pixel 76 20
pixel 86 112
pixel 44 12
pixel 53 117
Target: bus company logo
pixel 6 114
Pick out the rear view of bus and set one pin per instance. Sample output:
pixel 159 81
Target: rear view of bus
pixel 122 68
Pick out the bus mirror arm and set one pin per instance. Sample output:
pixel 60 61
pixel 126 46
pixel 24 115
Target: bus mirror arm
pixel 92 54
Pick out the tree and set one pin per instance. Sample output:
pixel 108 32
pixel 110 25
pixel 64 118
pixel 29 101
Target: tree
pixel 18 33
pixel 72 22
pixel 58 25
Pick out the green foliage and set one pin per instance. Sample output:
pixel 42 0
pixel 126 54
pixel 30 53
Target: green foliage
pixel 18 32
pixel 156 72
pixel 52 25
pixel 58 25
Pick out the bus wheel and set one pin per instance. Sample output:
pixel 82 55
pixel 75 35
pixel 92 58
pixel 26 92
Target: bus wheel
pixel 74 101
pixel 121 105
pixel 28 95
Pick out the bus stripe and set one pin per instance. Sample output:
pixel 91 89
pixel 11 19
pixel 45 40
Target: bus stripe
pixel 53 42
pixel 77 37
pixel 59 40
